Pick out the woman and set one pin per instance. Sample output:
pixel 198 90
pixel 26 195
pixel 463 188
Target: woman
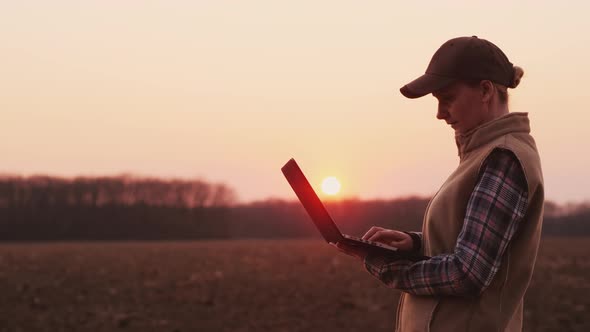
pixel 482 228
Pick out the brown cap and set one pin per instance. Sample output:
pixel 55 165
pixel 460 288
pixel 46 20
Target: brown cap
pixel 463 58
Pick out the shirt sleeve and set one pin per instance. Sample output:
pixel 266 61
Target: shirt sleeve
pixel 416 242
pixel 495 208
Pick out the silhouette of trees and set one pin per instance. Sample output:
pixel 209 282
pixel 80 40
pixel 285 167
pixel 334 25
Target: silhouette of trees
pixel 112 208
pixel 38 192
pixel 132 208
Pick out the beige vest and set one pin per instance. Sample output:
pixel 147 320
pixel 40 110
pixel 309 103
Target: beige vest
pixel 500 306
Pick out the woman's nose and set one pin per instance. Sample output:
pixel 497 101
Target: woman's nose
pixel 441 113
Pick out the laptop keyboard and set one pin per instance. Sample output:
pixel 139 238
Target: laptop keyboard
pixel 367 241
pixel 357 238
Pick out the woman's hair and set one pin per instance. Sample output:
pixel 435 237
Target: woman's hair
pixel 502 89
pixel 518 73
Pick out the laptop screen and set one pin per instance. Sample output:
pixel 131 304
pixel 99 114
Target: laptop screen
pixel 311 202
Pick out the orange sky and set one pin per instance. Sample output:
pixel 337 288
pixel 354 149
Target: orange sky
pixel 228 91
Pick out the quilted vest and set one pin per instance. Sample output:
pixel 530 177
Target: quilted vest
pixel 500 306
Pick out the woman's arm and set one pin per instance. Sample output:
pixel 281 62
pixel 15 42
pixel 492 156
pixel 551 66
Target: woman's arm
pixel 495 208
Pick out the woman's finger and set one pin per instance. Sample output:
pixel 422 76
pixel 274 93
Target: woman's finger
pixel 371 232
pixel 386 236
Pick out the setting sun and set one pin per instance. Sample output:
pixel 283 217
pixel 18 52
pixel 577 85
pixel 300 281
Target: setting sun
pixel 330 185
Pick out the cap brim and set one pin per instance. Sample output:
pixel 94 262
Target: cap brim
pixel 424 85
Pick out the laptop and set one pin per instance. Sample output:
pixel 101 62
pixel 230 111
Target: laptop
pixel 322 219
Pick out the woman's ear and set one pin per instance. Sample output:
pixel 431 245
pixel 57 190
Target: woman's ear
pixel 487 91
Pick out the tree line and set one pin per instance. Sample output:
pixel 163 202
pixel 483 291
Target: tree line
pixel 43 208
pixel 45 191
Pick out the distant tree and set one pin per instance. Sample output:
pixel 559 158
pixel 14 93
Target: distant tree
pixel 201 192
pixel 223 196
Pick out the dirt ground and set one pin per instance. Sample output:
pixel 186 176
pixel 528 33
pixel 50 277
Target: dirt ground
pixel 242 285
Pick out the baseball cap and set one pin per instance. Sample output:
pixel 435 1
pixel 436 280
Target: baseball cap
pixel 462 58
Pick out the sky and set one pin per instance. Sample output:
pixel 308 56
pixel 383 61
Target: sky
pixel 229 91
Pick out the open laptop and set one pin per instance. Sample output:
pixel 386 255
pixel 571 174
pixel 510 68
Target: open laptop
pixel 324 223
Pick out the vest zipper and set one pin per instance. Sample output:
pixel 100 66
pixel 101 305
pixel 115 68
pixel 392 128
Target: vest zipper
pixel 400 304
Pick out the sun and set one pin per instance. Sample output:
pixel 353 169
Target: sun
pixel 331 185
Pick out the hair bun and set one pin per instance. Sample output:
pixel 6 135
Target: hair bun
pixel 518 73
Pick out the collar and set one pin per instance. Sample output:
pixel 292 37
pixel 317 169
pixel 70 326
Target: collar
pixel 517 122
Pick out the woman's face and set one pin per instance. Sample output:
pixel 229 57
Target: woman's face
pixel 461 106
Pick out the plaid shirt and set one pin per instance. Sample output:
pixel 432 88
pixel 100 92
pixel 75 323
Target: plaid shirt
pixel 496 206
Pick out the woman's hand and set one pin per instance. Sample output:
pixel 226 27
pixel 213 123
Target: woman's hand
pixel 390 237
